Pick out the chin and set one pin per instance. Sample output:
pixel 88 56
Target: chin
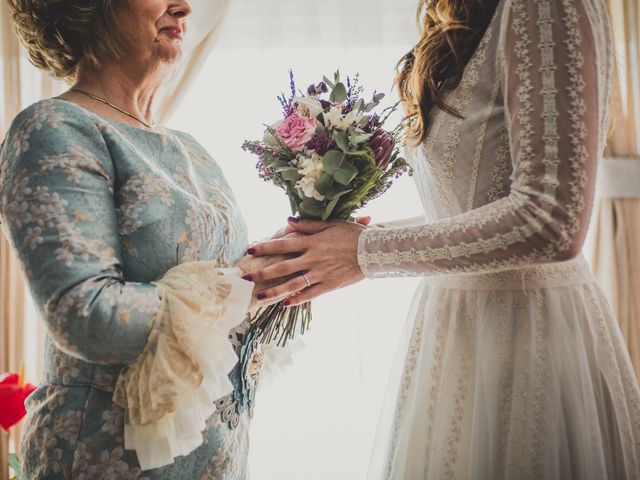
pixel 169 54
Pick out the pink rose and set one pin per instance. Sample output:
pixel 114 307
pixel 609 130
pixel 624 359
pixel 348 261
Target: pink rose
pixel 296 131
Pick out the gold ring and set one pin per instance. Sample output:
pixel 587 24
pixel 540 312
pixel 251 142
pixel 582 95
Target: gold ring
pixel 306 280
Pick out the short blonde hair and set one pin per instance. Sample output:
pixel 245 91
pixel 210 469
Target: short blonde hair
pixel 61 34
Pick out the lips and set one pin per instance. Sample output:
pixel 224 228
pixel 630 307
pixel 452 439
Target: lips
pixel 173 32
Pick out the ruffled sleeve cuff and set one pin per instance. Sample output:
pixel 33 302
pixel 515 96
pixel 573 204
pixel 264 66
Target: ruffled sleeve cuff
pixel 169 392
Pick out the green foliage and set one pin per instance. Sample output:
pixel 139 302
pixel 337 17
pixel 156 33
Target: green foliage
pixel 339 93
pixel 14 463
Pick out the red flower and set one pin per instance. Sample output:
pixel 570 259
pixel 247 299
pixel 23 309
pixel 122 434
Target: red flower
pixel 13 393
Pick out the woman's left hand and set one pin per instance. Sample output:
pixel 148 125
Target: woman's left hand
pixel 328 256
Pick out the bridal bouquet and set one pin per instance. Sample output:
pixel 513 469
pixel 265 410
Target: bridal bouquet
pixel 331 154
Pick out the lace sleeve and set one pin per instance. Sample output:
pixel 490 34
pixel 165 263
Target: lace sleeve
pixel 556 83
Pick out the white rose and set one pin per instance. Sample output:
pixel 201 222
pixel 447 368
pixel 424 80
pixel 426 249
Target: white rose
pixel 308 106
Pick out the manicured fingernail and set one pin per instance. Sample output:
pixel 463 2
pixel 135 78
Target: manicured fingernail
pixel 248 278
pixel 262 296
pixel 294 220
pixel 251 251
pixel 287 303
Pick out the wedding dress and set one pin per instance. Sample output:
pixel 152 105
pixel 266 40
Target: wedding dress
pixel 512 365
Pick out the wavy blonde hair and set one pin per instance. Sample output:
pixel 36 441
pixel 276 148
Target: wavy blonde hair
pixel 450 32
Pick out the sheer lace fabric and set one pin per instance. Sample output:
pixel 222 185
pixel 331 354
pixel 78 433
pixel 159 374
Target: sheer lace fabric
pixel 170 390
pixel 510 184
pixel 511 365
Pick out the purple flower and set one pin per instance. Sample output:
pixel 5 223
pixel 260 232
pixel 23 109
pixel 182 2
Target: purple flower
pixel 321 143
pixel 318 89
pixel 382 144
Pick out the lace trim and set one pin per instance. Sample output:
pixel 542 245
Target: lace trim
pixel 501 169
pixel 578 128
pixel 464 382
pixel 170 390
pixel 463 98
pixel 473 182
pixel 596 301
pixel 408 376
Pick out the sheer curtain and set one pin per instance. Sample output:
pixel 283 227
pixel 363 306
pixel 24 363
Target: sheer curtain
pixel 317 421
pixel 615 236
pixel 21 333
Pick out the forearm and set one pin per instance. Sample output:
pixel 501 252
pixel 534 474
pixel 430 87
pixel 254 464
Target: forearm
pixel 103 319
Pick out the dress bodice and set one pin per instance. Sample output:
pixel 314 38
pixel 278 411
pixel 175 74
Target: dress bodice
pixel 510 182
pixel 98 211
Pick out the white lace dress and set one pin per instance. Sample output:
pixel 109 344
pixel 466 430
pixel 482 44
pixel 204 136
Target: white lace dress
pixel 512 366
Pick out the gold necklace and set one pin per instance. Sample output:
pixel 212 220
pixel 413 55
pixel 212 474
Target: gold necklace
pixel 121 110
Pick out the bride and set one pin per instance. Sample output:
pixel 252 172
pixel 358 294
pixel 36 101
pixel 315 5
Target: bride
pixel 512 365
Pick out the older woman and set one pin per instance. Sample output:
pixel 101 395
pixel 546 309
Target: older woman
pixel 126 231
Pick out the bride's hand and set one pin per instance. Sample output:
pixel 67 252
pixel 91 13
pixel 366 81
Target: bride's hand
pixel 326 254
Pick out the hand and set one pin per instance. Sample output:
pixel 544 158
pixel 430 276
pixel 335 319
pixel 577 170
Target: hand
pixel 283 232
pixel 249 263
pixel 327 254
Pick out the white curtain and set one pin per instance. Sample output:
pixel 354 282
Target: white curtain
pixel 615 236
pixel 317 421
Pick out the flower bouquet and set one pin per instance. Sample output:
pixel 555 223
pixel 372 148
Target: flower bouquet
pixel 331 154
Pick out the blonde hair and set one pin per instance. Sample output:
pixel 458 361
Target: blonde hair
pixel 450 32
pixel 60 34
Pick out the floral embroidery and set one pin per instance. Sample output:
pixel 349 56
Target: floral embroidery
pixel 59 201
pixel 522 224
pixel 136 194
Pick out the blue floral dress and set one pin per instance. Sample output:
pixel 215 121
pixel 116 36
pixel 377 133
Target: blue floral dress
pixel 97 210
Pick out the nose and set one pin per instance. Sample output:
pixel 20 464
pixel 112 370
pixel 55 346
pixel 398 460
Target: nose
pixel 180 10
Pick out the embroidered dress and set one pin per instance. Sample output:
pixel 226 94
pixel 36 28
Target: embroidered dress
pixel 512 365
pixel 127 238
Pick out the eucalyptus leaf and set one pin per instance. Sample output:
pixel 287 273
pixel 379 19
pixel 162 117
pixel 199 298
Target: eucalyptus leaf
pixel 337 191
pixel 328 210
pixel 378 97
pixel 345 173
pixel 328 82
pixel 359 105
pixel 363 121
pixel 323 184
pixel 370 106
pixel 332 160
pixel 342 139
pixel 339 93
pixel 359 138
pixel 290 174
pixel 294 205
pixel 311 208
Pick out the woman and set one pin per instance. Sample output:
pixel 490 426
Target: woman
pixel 513 365
pixel 125 230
